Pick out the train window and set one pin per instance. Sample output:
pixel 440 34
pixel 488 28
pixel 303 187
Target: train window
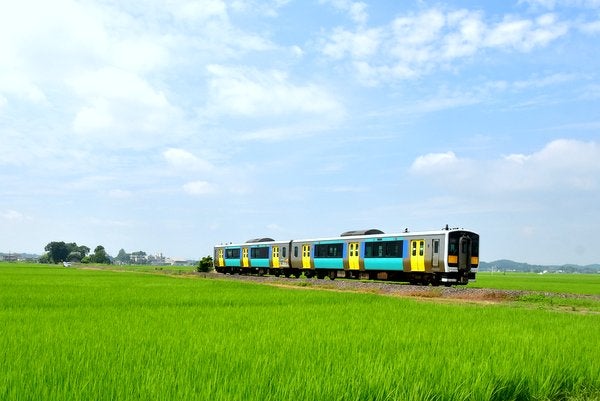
pixel 414 248
pixel 328 250
pixel 453 246
pixel 421 246
pixel 475 246
pixel 436 246
pixel 259 253
pixel 388 249
pixel 232 253
pixel 283 252
pixel 295 251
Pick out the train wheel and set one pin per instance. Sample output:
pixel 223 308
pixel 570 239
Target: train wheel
pixel 332 274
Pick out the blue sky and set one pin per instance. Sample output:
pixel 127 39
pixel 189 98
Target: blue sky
pixel 172 125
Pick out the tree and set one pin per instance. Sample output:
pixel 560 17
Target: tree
pixel 57 251
pixel 76 253
pixel 100 255
pixel 205 265
pixel 123 257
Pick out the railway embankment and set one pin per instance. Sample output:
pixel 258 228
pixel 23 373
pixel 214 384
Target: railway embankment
pixel 458 293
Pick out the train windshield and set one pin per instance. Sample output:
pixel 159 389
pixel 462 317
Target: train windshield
pixel 463 248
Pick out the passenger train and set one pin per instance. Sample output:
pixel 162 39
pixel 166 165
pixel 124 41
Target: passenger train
pixel 447 256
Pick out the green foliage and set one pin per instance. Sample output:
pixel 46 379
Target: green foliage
pixel 100 256
pixel 205 264
pixel 59 251
pixel 157 337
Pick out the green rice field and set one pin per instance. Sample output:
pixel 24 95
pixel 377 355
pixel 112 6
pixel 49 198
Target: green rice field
pixel 81 334
pixel 552 282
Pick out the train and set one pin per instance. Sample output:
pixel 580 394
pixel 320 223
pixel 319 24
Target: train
pixel 449 256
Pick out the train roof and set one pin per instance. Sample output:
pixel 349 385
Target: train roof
pixel 345 236
pixel 404 233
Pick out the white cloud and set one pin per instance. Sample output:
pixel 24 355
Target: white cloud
pixel 13 215
pixel 264 7
pixel 590 28
pixel 357 10
pixel 359 44
pixel 434 162
pixel 120 104
pixel 184 160
pixel 119 194
pixel 525 34
pixel 252 93
pixel 561 165
pixel 551 4
pixel 198 11
pixel 199 188
pixel 415 44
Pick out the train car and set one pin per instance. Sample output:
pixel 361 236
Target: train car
pixel 448 256
pixel 255 256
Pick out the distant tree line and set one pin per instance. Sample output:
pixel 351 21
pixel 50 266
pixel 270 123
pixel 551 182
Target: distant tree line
pixel 59 251
pixel 505 265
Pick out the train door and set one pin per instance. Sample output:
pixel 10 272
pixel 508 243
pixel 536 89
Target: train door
pixel 417 255
pixel 435 254
pixel 353 256
pixel 464 253
pixel 275 256
pixel 306 256
pixel 221 259
pixel 245 260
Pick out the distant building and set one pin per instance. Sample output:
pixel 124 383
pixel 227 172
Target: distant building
pixel 138 258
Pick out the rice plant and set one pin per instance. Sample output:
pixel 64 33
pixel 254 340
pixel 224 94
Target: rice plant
pixel 101 335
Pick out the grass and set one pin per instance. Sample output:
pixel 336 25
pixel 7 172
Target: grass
pixel 86 334
pixel 559 283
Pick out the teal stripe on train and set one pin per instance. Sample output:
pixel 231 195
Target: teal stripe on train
pixel 259 262
pixel 329 263
pixel 383 264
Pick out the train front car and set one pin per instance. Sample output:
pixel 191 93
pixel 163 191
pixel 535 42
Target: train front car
pixel 462 256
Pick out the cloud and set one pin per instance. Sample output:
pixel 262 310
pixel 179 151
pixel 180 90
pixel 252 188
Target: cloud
pixel 120 103
pixel 359 45
pixel 197 11
pixel 417 44
pixel 251 93
pixel 14 216
pixel 119 194
pixel 199 188
pixel 525 34
pixel 590 28
pixel 263 7
pixel 551 4
pixel 183 160
pixel 561 165
pixel 356 10
pixel 434 162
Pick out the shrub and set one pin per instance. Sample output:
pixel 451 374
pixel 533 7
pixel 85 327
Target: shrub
pixel 205 265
